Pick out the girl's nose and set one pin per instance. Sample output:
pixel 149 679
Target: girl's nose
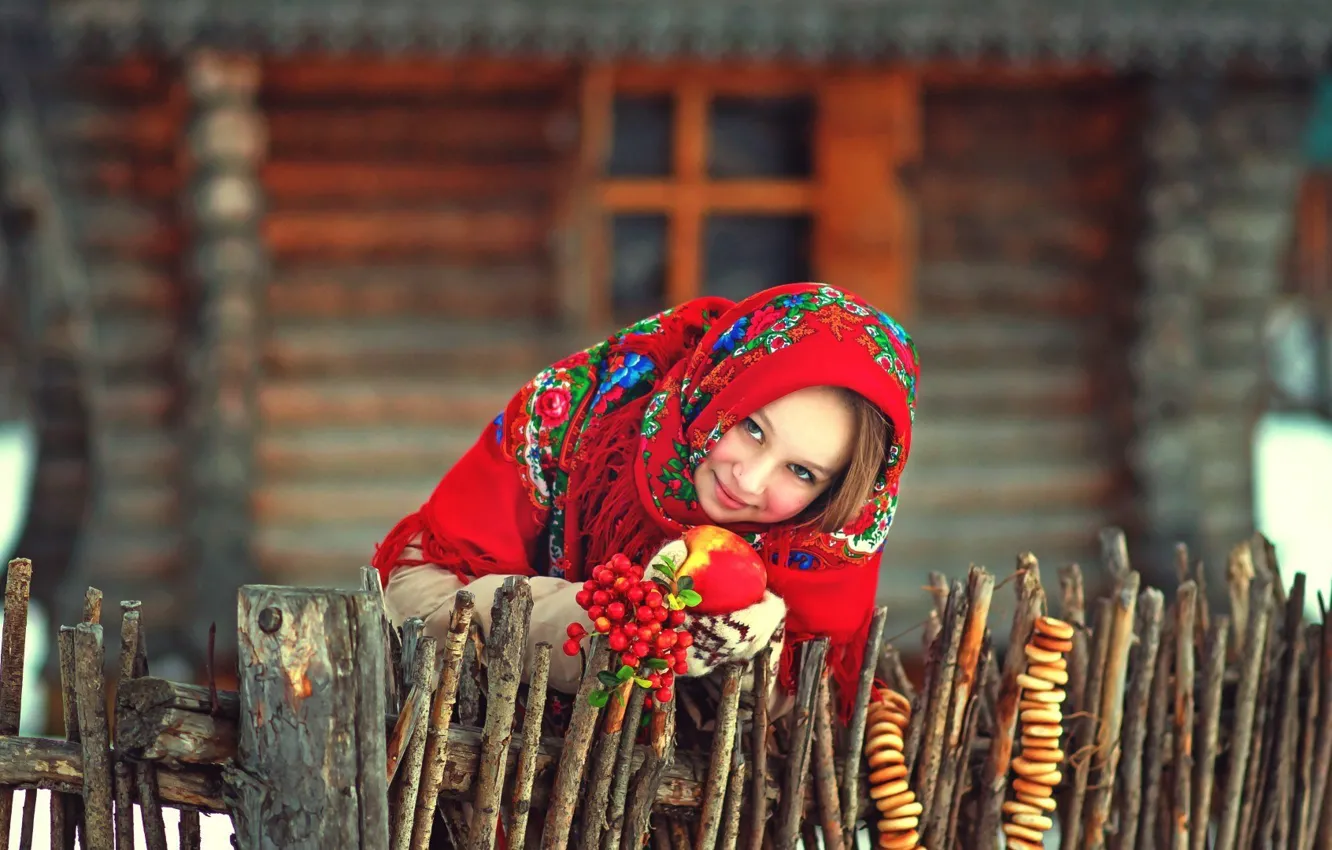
pixel 750 477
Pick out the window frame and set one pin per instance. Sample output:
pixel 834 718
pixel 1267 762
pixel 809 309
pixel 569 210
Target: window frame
pixel 866 127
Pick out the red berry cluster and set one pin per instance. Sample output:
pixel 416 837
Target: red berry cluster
pixel 641 619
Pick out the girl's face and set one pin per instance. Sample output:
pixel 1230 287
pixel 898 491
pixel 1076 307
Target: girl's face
pixel 770 466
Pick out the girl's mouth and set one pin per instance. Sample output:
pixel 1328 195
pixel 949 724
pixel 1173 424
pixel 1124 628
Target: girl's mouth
pixel 726 497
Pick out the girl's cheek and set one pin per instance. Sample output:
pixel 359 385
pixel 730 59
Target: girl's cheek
pixel 785 503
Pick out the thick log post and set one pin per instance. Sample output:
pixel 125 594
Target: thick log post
pixel 226 271
pixel 311 751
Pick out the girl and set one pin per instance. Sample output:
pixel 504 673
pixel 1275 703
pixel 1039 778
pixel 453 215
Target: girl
pixel 785 417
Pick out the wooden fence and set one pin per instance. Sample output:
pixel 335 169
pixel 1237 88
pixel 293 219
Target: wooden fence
pixel 1126 721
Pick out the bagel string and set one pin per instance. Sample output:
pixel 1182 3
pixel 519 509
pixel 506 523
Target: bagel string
pixel 887 720
pixel 1035 771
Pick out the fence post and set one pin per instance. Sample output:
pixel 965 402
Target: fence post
pixel 311 754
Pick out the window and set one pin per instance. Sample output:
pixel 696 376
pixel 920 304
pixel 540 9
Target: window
pixel 714 180
pixel 706 194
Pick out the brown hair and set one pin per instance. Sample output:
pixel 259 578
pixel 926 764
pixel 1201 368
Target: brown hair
pixel 844 500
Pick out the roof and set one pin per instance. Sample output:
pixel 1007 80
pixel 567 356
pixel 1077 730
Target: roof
pixel 1123 33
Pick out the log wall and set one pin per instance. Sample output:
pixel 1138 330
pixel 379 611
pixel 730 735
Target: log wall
pixel 409 226
pixel 1027 207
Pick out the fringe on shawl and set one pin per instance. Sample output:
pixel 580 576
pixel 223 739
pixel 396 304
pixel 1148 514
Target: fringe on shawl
pixel 605 513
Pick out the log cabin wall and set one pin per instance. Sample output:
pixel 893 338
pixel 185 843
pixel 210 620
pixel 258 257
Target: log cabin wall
pixel 409 224
pixel 113 132
pixel 1026 198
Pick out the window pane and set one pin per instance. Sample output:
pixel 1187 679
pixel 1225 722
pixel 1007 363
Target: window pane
pixel 638 265
pixel 761 137
pixel 641 140
pixel 747 253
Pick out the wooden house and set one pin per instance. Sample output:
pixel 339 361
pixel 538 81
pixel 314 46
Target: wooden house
pixel 283 260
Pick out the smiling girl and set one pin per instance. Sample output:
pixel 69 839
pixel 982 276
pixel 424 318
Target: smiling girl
pixel 785 417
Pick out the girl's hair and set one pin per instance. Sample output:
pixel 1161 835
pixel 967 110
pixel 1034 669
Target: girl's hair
pixel 844 500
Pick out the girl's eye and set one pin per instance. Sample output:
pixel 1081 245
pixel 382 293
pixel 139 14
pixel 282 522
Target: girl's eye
pixel 752 429
pixel 802 473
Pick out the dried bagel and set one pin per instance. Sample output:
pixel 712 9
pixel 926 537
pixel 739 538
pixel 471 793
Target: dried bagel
pixel 885 739
pixel 1036 766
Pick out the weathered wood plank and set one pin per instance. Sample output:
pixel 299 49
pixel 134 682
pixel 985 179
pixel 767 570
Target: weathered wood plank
pixel 58 765
pixel 456 291
pixel 345 234
pixel 311 750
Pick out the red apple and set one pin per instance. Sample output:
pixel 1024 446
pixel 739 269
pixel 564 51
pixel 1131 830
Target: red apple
pixel 726 570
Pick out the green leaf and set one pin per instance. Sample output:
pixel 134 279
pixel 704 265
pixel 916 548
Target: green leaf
pixel 656 663
pixel 641 682
pixel 691 597
pixel 623 673
pixel 675 603
pixel 663 584
pixel 598 699
pixel 666 568
pixel 608 679
pixel 686 583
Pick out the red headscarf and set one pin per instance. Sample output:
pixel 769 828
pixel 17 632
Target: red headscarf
pixel 596 455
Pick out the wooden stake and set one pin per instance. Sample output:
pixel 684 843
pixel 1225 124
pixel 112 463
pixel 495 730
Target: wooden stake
pixel 972 631
pixel 813 653
pixel 994 773
pixel 123 776
pixel 1186 610
pixel 723 739
pixel 1110 711
pixel 643 788
pixel 1277 811
pixel 405 801
pixel 1239 577
pixel 855 732
pixel 1251 797
pixel 1259 608
pixel 577 741
pixel 759 749
pixel 825 768
pixel 1142 683
pixel 735 796
pixel 29 819
pixel 191 836
pixel 97 796
pixel 1323 758
pixel 371 584
pixel 67 809
pixel 1157 739
pixel 469 683
pixel 13 640
pixel 1308 739
pixel 1083 740
pixel 525 771
pixel 595 800
pixel 511 615
pixel 961 766
pixel 441 713
pixel 892 672
pixel 1209 721
pixel 938 711
pixel 92 606
pixel 145 774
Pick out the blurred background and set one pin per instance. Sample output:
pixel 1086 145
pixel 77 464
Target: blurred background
pixel 269 267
